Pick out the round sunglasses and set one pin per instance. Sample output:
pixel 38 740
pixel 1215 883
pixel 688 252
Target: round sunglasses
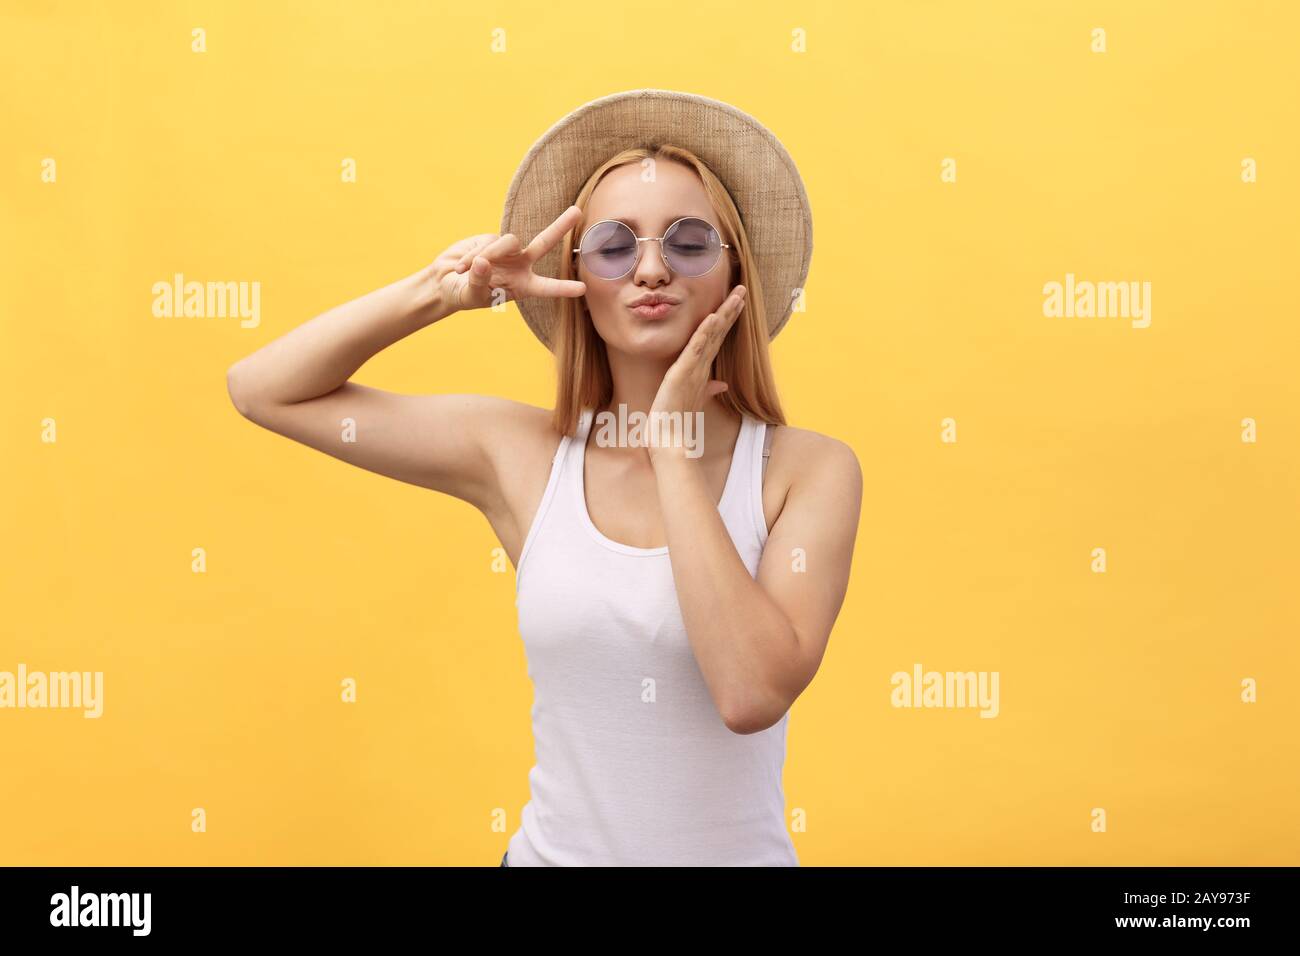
pixel 690 247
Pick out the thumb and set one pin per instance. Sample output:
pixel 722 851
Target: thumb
pixel 476 280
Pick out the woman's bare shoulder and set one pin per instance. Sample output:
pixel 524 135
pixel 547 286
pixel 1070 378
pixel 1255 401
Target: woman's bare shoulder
pixel 520 432
pixel 802 458
pixel 803 448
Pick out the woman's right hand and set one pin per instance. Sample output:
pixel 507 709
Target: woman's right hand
pixel 470 271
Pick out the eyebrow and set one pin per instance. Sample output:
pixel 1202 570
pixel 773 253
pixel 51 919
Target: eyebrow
pixel 672 219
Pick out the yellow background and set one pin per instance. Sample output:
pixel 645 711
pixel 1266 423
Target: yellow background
pixel 1118 690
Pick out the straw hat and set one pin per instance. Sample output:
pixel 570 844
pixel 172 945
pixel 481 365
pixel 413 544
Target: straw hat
pixel 748 159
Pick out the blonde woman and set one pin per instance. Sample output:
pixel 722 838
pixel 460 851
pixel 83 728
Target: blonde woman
pixel 676 588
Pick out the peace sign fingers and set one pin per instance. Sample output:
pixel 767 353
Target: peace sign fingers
pixel 543 242
pixel 487 264
pixel 548 237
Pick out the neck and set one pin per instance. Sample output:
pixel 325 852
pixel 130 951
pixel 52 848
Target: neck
pixel 636 383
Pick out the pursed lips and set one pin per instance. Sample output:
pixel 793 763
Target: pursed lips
pixel 653 310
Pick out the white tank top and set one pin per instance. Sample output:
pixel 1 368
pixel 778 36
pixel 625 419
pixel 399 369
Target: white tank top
pixel 634 765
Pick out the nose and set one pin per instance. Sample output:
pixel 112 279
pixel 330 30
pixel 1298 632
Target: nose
pixel 650 269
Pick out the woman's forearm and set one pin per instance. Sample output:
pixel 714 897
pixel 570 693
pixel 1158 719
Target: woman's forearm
pixel 320 355
pixel 742 641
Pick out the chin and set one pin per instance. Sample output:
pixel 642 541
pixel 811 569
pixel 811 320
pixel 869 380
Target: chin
pixel 664 341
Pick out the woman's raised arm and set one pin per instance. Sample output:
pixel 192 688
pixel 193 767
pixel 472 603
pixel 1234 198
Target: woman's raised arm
pixel 298 384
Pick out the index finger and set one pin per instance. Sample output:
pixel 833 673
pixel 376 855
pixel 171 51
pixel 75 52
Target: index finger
pixel 546 287
pixel 552 234
pixel 729 311
pixel 710 333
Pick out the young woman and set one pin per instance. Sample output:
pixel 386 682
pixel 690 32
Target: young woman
pixel 675 596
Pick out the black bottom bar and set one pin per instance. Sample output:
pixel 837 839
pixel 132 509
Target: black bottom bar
pixel 241 904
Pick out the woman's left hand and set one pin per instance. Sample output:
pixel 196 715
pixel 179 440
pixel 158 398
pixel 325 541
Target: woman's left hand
pixel 687 385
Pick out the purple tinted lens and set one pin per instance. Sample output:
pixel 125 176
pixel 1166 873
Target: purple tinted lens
pixel 692 247
pixel 609 250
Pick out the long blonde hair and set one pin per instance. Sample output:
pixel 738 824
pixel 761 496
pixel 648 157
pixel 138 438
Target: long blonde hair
pixel 583 378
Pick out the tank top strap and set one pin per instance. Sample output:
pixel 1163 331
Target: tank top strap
pixel 759 451
pixel 767 446
pixel 553 485
pixel 586 418
pixel 742 502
